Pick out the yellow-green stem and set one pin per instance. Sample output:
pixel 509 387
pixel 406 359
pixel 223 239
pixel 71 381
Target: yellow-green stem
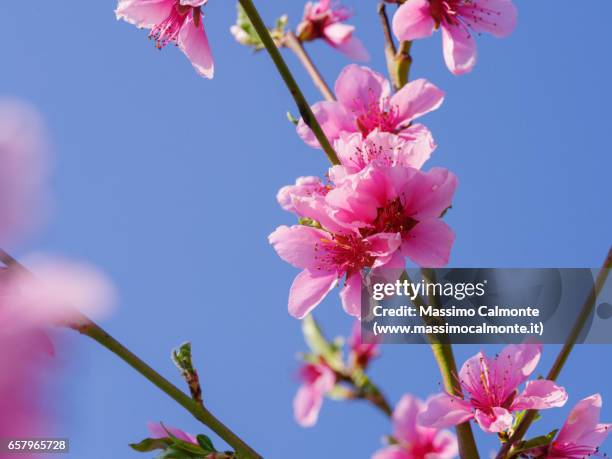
pixel 301 102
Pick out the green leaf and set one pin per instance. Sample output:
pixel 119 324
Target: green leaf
pixel 292 119
pixel 174 453
pixel 185 445
pixel 537 442
pixel 319 344
pixel 206 443
pixel 151 444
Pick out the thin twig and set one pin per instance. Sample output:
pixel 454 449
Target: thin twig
pixel 301 102
pixel 553 374
pixel 294 44
pixel 390 49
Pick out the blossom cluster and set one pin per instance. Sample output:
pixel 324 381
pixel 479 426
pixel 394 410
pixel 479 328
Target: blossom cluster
pixel 377 206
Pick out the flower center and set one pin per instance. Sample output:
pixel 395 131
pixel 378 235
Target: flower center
pixel 374 117
pixel 369 152
pixel 488 389
pixel 168 30
pixel 343 253
pixel 391 219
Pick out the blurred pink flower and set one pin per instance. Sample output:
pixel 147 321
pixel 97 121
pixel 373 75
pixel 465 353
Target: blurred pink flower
pixel 317 380
pixel 325 20
pixel 25 362
pixel 361 353
pixel 413 440
pixel 28 303
pixel 23 166
pixel 582 433
pixel 356 151
pixel 57 292
pixel 365 104
pixel 403 201
pixel 173 21
pixel 158 430
pixel 457 19
pixel 491 386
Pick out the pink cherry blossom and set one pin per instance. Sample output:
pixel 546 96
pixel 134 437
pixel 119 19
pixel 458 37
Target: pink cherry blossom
pixel 317 380
pixel 23 165
pixel 159 430
pixel 365 104
pixel 356 151
pixel 457 19
pixel 304 187
pixel 403 201
pixel 582 433
pixel 413 440
pixel 326 256
pixel 173 21
pixel 325 20
pixel 492 389
pixel 361 353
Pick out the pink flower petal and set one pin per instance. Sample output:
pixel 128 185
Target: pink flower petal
pixel 333 119
pixel 415 99
pixel 308 290
pixel 517 362
pixel 429 194
pixel 497 17
pixel 23 166
pixel 338 33
pixel 413 20
pixel 384 247
pixel 429 244
pixel 60 291
pixel 144 13
pixel 358 88
pixel 304 187
pixel 443 411
pixel 459 49
pixel 351 295
pixel 192 40
pixel 405 417
pixel 539 395
pixel 193 2
pixel 416 147
pixel 297 244
pixel 354 49
pixel 499 421
pixel 582 425
pixel 158 430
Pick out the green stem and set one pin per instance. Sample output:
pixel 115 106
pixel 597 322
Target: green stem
pixel 294 44
pixel 555 371
pixel 403 62
pixel 390 49
pixel 445 358
pixel 301 102
pixel 88 328
pixel 398 60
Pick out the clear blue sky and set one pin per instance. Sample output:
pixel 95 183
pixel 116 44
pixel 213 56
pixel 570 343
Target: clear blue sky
pixel 168 182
